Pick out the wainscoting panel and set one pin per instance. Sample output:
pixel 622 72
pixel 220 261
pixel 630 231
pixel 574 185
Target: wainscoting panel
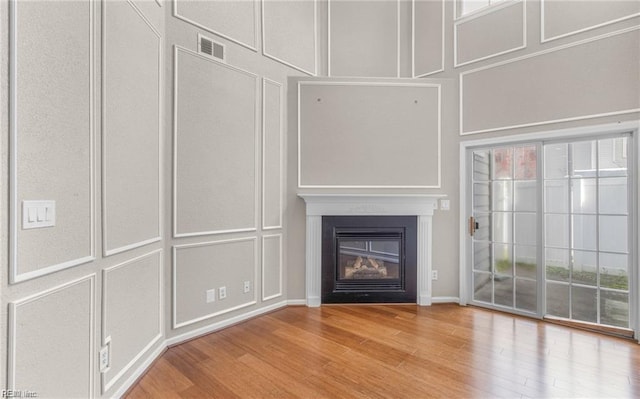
pixel 52 133
pixel 231 19
pixel 198 268
pixel 587 79
pixel 132 299
pixel 132 121
pixel 289 33
pixel 498 31
pixel 428 37
pixel 564 18
pixel 215 146
pixel 51 341
pixel 272 267
pixel 364 38
pixel 361 134
pixel 272 154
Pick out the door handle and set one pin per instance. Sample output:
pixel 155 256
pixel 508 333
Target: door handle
pixel 473 226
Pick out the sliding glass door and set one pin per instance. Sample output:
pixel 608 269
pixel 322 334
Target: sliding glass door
pixel 550 229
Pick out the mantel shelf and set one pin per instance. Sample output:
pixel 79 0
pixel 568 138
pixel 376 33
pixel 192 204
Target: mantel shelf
pixel 371 204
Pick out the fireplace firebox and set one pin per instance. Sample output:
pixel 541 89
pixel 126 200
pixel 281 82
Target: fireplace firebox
pixel 369 259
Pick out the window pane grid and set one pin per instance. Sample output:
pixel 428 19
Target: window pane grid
pixel 504 181
pixel 583 215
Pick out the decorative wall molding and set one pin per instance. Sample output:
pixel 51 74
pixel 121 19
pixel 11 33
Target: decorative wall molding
pixel 280 87
pixel 174 274
pixel 280 267
pixel 537 54
pixel 490 10
pixel 253 47
pixel 329 38
pixel 414 73
pixel 315 43
pixel 545 39
pixel 15 275
pixel 481 11
pixel 105 246
pixel 176 234
pixel 369 84
pixel 108 384
pixel 14 309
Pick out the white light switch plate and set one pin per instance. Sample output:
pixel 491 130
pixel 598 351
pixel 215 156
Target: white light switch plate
pixel 445 204
pixel 38 214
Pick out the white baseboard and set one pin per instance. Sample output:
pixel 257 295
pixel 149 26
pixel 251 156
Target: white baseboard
pixel 297 302
pixel 224 323
pixel 142 368
pixel 445 299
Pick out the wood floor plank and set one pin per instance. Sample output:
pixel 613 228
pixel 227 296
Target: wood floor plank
pixel 397 351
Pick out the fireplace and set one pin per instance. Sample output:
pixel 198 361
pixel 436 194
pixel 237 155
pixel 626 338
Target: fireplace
pixel 318 205
pixel 369 259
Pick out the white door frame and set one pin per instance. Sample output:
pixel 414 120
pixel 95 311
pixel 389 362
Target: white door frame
pixel 581 132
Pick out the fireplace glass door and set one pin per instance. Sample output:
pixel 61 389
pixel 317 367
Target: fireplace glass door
pixel 373 259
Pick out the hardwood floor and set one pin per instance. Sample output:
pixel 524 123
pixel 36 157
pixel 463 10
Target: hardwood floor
pixel 395 351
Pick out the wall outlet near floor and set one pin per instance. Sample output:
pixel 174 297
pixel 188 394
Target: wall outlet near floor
pixel 211 295
pixel 434 274
pixel 222 292
pixel 104 358
pixel 247 287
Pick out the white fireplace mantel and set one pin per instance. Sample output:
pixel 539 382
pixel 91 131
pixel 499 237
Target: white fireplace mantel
pixel 318 205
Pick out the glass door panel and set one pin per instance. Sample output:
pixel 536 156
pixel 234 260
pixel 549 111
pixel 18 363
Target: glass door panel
pixel 586 233
pixel 504 196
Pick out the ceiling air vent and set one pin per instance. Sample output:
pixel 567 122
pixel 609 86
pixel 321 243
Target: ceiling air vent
pixel 210 48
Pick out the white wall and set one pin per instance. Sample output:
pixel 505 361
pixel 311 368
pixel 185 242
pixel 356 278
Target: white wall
pixel 86 131
pixel 227 189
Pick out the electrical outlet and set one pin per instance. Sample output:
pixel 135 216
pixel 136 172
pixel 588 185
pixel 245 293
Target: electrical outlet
pixel 247 287
pixel 104 358
pixel 434 274
pixel 211 295
pixel 222 292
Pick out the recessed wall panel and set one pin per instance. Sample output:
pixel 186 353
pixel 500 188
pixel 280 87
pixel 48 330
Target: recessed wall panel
pixel 428 37
pixel 232 19
pixel 52 133
pixel 51 341
pixel 363 38
pixel 271 266
pixel 132 303
pixel 563 18
pixel 289 33
pixel 198 268
pixel 272 157
pixel 369 135
pixel 487 35
pixel 214 145
pixel 131 128
pixel 592 78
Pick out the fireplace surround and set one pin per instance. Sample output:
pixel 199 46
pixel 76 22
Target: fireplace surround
pixel 421 206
